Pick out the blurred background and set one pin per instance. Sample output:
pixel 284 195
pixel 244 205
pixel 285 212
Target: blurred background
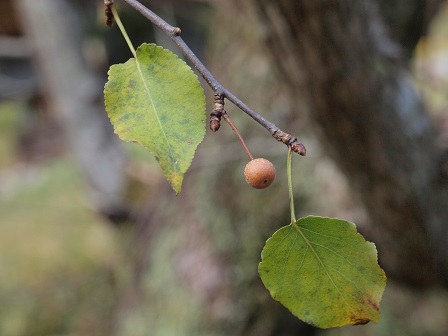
pixel 93 241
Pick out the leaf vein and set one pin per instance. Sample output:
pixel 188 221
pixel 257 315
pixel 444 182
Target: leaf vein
pixel 333 237
pixel 334 252
pixel 323 266
pixel 339 239
pixel 146 85
pixel 346 278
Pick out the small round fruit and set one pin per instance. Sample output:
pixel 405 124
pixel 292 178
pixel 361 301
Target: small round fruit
pixel 259 173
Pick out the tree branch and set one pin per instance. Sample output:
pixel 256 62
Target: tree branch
pixel 173 33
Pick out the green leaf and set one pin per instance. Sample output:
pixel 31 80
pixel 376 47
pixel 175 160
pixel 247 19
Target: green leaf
pixel 324 272
pixel 156 101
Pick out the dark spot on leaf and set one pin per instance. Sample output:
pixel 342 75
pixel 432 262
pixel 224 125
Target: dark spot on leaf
pixel 367 300
pixel 359 321
pixel 372 303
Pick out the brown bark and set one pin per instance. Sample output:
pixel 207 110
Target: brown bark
pixel 338 54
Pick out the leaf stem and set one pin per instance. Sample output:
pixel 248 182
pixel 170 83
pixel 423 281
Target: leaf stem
pixel 123 31
pixel 173 33
pixel 291 194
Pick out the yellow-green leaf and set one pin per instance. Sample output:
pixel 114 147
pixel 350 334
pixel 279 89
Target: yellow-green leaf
pixel 324 272
pixel 156 100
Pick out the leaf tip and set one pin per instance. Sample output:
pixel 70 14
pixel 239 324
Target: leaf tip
pixel 176 182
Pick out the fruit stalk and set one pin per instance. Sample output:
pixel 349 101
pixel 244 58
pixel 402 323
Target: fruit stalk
pixel 232 125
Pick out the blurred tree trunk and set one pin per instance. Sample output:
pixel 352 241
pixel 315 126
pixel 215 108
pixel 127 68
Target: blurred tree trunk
pixel 350 60
pixel 73 94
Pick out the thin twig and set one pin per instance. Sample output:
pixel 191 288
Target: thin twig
pixel 232 126
pixel 173 33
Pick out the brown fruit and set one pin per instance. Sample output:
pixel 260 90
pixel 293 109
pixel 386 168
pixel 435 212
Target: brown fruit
pixel 259 173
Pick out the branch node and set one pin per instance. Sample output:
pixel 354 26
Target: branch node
pixel 298 148
pixel 290 141
pixel 177 31
pixel 218 111
pixel 108 12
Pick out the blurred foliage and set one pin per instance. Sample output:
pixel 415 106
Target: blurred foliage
pixel 9 121
pixel 431 65
pixel 56 256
